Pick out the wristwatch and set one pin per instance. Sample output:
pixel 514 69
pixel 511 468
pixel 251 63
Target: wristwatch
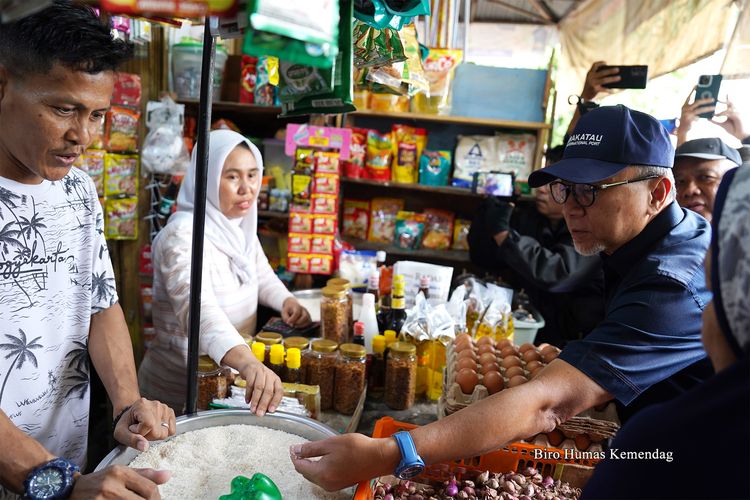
pixel 411 463
pixel 51 480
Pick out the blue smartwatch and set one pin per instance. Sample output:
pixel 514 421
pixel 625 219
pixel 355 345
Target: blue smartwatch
pixel 51 480
pixel 411 463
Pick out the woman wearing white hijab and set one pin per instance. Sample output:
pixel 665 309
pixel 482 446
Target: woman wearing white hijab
pixel 236 276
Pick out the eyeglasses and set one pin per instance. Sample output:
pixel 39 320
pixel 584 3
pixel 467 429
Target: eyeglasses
pixel 585 194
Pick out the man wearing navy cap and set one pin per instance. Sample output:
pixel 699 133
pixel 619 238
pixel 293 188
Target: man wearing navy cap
pixel 699 166
pixel 616 186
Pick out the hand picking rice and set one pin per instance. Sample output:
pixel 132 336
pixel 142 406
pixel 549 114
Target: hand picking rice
pixel 204 462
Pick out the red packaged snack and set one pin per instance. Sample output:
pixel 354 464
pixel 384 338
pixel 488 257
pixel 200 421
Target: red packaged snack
pixel 299 243
pixel 327 162
pixel 324 204
pixel 354 168
pixel 322 244
pixel 321 264
pixel 298 263
pixel 300 223
pixel 383 213
pixel 247 79
pixel 92 162
pixel 122 129
pixel 326 184
pixel 356 218
pixel 379 152
pixel 324 224
pixel 127 90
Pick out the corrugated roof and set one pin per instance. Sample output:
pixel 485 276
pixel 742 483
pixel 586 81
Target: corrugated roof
pixel 522 11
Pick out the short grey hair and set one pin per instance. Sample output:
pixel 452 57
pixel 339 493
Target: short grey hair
pixel 646 170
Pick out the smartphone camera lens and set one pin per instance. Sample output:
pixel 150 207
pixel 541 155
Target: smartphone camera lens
pixel 703 80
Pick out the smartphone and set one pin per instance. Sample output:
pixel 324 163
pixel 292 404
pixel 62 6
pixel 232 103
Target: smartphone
pixel 708 88
pixel 631 77
pixel 499 184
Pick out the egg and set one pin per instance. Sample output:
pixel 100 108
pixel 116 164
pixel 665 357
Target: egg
pixel 532 365
pixel 485 340
pixel 466 363
pixel 509 350
pixel 555 437
pixel 487 357
pixel 467 353
pixel 493 381
pixel 511 361
pixel 531 355
pixel 582 442
pixel 490 367
pixel 542 346
pixel 485 348
pixel 462 341
pixel 504 343
pixel 467 379
pixel 516 381
pixel 548 348
pixel 513 371
pixel 525 347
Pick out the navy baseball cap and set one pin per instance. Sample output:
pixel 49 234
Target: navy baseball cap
pixel 606 140
pixel 709 148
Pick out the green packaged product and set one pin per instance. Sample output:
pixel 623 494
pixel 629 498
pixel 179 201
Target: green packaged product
pixel 340 99
pixel 297 81
pixel 435 168
pixel 373 47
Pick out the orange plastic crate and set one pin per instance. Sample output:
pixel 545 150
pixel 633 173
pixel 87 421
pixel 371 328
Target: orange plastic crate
pixel 513 457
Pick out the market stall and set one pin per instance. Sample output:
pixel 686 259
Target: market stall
pixel 375 147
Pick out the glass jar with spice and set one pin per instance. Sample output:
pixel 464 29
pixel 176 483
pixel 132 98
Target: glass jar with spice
pixel 212 383
pixel 376 375
pixel 350 378
pixel 276 357
pixel 268 339
pixel 400 375
pixel 321 369
pixel 346 285
pixel 293 372
pixel 334 321
pixel 302 344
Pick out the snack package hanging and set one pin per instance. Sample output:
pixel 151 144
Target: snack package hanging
pixel 435 168
pixel 266 80
pixel 383 213
pixel 375 47
pixel 405 168
pixel 122 129
pixel 379 152
pixel 120 175
pixel 474 153
pixel 248 78
pixel 297 81
pixel 413 74
pixel 92 162
pixel 354 168
pixel 409 230
pixel 127 91
pixel 340 98
pixel 439 67
pixel 438 229
pixel 298 31
pixel 121 219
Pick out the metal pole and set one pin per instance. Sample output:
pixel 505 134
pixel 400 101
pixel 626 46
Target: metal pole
pixel 199 214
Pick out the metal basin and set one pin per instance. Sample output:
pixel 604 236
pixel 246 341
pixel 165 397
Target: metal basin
pixel 307 428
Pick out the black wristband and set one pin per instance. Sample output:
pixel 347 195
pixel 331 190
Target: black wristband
pixel 118 417
pixel 746 141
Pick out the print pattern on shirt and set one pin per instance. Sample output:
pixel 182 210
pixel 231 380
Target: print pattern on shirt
pixel 55 272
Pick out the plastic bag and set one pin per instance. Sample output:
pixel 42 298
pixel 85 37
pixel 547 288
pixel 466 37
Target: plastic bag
pixel 357 266
pixel 164 150
pixel 474 153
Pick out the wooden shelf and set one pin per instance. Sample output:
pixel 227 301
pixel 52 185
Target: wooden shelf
pixel 236 106
pixel 413 187
pixel 271 214
pixel 463 120
pixel 423 253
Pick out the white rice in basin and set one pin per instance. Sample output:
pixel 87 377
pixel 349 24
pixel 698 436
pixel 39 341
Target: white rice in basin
pixel 204 462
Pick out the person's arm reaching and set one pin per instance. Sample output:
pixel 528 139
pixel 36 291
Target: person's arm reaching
pixel 559 392
pixel 111 353
pixel 733 122
pixel 689 114
pixel 21 454
pixel 593 87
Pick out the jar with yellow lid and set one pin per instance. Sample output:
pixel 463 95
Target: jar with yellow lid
pixel 300 343
pixel 350 378
pixel 334 315
pixel 376 375
pixel 268 339
pixel 212 383
pixel 293 369
pixel 400 375
pixel 259 351
pixel 276 359
pixel 346 285
pixel 320 368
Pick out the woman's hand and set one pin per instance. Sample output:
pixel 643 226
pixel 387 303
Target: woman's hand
pixel 263 390
pixel 294 314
